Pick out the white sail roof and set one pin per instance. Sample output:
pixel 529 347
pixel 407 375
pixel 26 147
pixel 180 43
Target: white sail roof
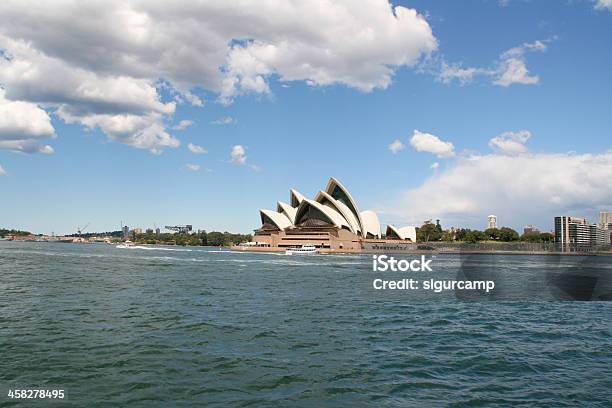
pixel 370 224
pixel 278 219
pixel 295 198
pixel 324 198
pixel 339 192
pixel 403 233
pixel 287 210
pixel 332 216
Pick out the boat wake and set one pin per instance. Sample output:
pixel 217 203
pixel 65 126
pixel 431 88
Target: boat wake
pixel 134 247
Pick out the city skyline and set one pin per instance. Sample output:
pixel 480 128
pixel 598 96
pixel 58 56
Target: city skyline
pixel 444 111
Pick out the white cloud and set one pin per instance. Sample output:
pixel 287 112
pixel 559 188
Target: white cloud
pixel 103 65
pixel 2 171
pixel 603 4
pixel 450 72
pixel 435 166
pixel 196 149
pixel 26 72
pixel 192 167
pixel 238 154
pixel 22 125
pixel 426 142
pixel 599 4
pixel 128 110
pixel 22 119
pixel 26 146
pixel 330 42
pixel 228 48
pixel 519 189
pixel 511 143
pixel 396 146
pixel 193 99
pixel 140 131
pixel 225 120
pixel 183 124
pixel 519 51
pixel 514 71
pixel 510 68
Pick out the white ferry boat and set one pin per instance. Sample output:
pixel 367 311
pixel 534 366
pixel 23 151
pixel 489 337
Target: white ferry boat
pixel 303 250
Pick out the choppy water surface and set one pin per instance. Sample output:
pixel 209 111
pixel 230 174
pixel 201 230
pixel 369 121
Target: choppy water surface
pixel 200 327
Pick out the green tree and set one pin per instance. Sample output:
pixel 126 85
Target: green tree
pixel 428 232
pixel 448 236
pixel 507 234
pixel 533 237
pixel 461 233
pixel 203 238
pixel 537 237
pixel 215 238
pixel 547 237
pixel 475 236
pixel 493 233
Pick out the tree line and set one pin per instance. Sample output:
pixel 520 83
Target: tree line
pixel 4 232
pixel 201 238
pixel 434 232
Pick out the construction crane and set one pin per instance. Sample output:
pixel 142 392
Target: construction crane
pixel 80 230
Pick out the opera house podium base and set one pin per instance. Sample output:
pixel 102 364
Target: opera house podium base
pixel 326 240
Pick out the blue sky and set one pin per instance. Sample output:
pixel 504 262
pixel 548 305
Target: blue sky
pixel 298 133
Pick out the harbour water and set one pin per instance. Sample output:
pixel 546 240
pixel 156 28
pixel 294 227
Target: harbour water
pixel 190 327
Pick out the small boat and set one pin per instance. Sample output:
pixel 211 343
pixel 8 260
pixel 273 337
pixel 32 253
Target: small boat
pixel 126 244
pixel 303 250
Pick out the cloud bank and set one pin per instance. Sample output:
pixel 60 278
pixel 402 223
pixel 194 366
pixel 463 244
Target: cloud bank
pixel 123 66
pixel 22 125
pixel 519 186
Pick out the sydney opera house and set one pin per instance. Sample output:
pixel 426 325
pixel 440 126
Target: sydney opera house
pixel 331 221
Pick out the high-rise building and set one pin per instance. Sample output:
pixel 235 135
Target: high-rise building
pixel 137 230
pixel 576 234
pixel 605 222
pixel 126 231
pixel 605 219
pixel 599 236
pixel 491 221
pixel 530 228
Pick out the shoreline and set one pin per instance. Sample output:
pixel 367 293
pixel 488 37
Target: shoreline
pixel 238 248
pixel 324 251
